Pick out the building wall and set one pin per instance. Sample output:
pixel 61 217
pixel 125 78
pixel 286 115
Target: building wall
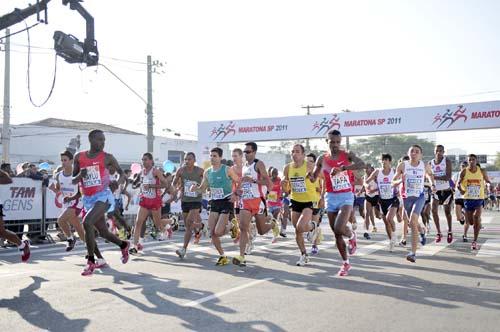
pixel 36 144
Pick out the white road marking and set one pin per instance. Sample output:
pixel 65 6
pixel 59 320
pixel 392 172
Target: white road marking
pixel 491 248
pixel 227 291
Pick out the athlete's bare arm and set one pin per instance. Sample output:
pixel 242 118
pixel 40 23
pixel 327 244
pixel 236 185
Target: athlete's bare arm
pixel 111 162
pixel 264 176
pixel 317 169
pixel 78 174
pixel 396 180
pixel 356 162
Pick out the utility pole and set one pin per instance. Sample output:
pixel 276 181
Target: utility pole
pixel 149 107
pixel 6 102
pixel 347 138
pixel 154 67
pixel 308 112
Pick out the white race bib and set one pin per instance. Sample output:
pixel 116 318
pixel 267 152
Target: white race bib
pixel 216 193
pixel 386 191
pixel 93 178
pixel 187 189
pixel 247 190
pixel 340 182
pixel 298 184
pixel 474 191
pixel 414 187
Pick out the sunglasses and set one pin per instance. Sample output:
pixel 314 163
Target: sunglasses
pixel 247 151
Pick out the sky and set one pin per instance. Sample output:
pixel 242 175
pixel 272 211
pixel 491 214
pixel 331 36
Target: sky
pixel 244 59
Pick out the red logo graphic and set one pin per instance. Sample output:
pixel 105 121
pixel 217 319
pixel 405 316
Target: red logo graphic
pixel 325 125
pixel 223 131
pixel 450 116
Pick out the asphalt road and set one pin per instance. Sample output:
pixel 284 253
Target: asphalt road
pixel 450 288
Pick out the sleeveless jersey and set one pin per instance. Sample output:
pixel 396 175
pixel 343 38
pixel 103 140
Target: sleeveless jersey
pixel 97 178
pixel 274 196
pixel 473 184
pixel 440 170
pixel 384 182
pixel 341 182
pixel 188 179
pixel 251 190
pixel 219 182
pixel 302 189
pixel 150 196
pixel 414 179
pixel 68 189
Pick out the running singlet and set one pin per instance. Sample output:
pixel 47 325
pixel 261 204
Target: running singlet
pixel 68 189
pixel 97 179
pixel 302 189
pixel 274 196
pixel 384 182
pixel 458 194
pixel 473 184
pixel 414 179
pixel 188 179
pixel 219 182
pixel 341 182
pixel 150 196
pixel 251 190
pixel 440 170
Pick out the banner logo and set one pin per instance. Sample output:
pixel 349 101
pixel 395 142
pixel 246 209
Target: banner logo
pixel 222 131
pixel 450 116
pixel 326 125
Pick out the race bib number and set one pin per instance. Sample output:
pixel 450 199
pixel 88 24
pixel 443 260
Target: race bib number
pixel 298 184
pixel 187 187
pixel 473 191
pixel 247 190
pixel 93 178
pixel 216 193
pixel 414 187
pixel 340 182
pixel 272 196
pixel 385 191
pixel 150 192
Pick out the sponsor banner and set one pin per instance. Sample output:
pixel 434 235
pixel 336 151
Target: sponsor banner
pixel 22 199
pixel 479 115
pixel 52 210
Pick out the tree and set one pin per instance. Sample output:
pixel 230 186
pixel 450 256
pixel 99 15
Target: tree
pixel 370 149
pixel 497 160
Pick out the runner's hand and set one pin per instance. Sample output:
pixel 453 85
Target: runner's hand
pixel 67 199
pixel 83 173
pixel 113 185
pixel 335 171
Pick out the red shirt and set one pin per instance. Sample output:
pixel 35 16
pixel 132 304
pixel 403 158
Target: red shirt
pixel 97 178
pixel 340 183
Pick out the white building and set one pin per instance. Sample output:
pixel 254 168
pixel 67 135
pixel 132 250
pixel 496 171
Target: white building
pixel 42 141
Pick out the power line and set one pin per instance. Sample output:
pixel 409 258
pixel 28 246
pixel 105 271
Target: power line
pixel 25 29
pixel 123 82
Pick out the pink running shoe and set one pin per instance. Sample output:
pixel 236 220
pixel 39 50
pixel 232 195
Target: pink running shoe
pixel 351 248
pixel 344 270
pixel 169 232
pixel 449 238
pixel 26 251
pixel 125 254
pixel 139 246
pixel 474 245
pixel 438 237
pixel 89 269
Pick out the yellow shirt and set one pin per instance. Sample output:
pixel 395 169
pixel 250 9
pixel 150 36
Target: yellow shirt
pixel 303 190
pixel 473 184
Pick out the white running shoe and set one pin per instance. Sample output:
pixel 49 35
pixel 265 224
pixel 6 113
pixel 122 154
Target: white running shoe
pixel 392 244
pixel 181 253
pixel 303 260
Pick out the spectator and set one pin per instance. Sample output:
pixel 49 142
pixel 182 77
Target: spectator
pixel 19 228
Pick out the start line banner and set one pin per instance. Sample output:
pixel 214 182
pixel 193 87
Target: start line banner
pixel 481 115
